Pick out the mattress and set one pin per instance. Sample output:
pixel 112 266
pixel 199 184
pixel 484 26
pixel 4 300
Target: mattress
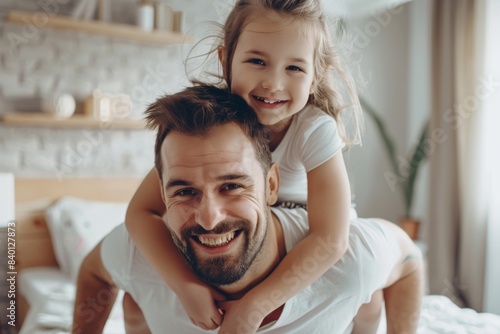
pixel 36 283
pixel 50 294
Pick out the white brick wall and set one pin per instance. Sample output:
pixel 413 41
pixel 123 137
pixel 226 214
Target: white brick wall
pixel 75 152
pixel 45 61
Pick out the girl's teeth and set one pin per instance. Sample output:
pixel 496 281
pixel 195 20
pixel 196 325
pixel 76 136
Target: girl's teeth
pixel 216 242
pixel 268 101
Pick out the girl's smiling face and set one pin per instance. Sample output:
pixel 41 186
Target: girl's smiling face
pixel 272 68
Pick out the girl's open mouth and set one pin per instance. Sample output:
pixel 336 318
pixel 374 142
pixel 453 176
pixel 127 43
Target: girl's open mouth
pixel 268 101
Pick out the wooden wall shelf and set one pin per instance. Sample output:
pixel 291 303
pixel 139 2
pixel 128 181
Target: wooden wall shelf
pixel 75 122
pixel 116 30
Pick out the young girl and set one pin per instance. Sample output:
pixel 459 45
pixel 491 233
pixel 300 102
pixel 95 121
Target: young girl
pixel 278 56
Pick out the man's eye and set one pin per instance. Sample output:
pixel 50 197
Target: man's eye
pixel 231 186
pixel 185 192
pixel 256 61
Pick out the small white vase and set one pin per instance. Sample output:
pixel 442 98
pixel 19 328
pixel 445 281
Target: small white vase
pixel 59 105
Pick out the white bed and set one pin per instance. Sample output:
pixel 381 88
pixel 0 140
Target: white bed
pixel 54 236
pixel 50 294
pixel 57 223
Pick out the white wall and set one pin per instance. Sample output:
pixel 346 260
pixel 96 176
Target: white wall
pixel 381 54
pixel 43 61
pixel 391 52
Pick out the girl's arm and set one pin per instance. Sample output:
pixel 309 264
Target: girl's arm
pixel 328 207
pixel 148 231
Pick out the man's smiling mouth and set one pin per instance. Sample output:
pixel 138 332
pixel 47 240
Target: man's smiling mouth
pixel 219 240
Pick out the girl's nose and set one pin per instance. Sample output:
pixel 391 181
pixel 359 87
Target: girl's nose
pixel 272 81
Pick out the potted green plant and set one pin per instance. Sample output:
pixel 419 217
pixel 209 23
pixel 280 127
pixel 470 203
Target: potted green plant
pixel 402 177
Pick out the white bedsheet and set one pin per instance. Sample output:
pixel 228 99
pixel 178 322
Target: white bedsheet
pixel 441 316
pixel 36 283
pixel 51 296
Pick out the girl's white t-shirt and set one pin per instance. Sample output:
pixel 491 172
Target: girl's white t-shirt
pixel 311 140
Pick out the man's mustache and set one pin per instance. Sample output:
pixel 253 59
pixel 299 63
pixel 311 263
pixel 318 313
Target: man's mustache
pixel 221 228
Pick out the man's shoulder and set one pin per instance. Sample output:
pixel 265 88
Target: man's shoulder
pixel 365 235
pixel 123 260
pixel 294 224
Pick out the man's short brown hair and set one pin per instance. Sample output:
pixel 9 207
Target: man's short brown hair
pixel 198 109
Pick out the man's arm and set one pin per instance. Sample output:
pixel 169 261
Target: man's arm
pixel 95 295
pixel 404 290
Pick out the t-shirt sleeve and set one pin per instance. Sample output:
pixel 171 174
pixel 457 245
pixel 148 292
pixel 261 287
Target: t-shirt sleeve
pixel 116 256
pixel 320 141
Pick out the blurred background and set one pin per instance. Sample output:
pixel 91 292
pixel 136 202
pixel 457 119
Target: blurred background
pixel 417 64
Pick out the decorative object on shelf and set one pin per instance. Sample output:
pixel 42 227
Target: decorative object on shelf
pixel 108 107
pixel 404 177
pixel 85 9
pixel 59 105
pixel 164 17
pixel 178 21
pixel 104 10
pixel 145 15
pixel 7 212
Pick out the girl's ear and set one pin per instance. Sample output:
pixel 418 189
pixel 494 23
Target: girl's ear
pixel 313 87
pixel 273 181
pixel 221 50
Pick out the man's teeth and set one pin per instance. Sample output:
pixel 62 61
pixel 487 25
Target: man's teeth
pixel 267 101
pixel 214 242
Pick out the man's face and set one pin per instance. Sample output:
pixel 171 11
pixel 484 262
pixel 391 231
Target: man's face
pixel 216 199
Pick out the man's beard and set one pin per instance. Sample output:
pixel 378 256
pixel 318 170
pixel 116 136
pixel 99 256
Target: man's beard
pixel 224 269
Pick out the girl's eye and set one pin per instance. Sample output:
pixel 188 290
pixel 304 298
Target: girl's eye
pixel 294 68
pixel 256 61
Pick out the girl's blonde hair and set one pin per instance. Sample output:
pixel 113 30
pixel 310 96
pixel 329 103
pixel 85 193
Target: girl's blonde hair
pixel 330 78
pixel 328 66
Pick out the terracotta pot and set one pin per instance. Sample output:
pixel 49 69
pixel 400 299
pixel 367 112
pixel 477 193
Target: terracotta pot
pixel 410 226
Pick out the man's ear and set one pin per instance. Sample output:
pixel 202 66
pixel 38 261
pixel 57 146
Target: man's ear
pixel 221 51
pixel 162 190
pixel 273 182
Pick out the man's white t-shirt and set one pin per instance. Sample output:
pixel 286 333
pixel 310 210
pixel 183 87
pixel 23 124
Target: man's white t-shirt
pixel 327 306
pixel 311 140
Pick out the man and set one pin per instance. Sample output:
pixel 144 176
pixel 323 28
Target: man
pixel 218 184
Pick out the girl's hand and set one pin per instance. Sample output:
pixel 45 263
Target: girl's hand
pixel 239 317
pixel 199 301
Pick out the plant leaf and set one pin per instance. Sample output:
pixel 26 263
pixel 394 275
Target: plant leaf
pixel 387 140
pixel 419 154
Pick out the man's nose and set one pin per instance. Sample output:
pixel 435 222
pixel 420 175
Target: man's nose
pixel 272 80
pixel 210 212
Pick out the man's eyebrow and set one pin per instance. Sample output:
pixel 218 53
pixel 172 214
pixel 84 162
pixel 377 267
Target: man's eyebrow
pixel 226 177
pixel 231 177
pixel 176 183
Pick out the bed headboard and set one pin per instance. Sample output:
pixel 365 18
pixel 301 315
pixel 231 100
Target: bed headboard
pixel 34 195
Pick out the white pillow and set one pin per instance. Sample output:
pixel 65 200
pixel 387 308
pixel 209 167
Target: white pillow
pixel 77 225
